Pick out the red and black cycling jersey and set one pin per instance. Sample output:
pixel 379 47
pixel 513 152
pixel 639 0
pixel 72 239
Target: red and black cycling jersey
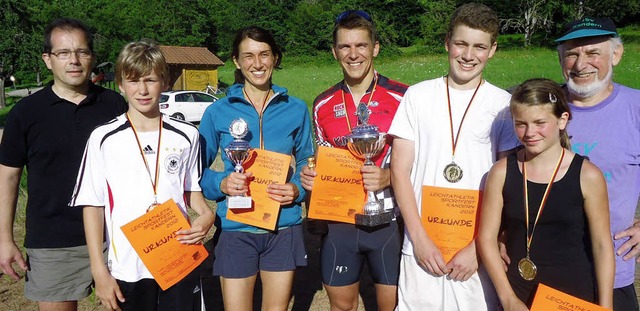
pixel 332 108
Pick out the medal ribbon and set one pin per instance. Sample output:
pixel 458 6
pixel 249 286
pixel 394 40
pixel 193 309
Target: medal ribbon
pixel 154 183
pixel 375 84
pixel 544 197
pixel 264 106
pixel 455 141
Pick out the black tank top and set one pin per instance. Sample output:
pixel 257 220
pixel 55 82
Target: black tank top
pixel 561 246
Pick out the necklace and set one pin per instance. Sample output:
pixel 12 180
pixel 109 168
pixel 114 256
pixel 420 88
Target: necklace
pixel 526 267
pixel 154 182
pixel 452 172
pixel 260 113
pixel 264 101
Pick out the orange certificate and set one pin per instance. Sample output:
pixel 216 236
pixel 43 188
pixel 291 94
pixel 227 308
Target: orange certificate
pixel 153 236
pixel 449 217
pixel 268 167
pixel 547 299
pixel 338 192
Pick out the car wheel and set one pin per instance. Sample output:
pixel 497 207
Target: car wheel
pixel 178 116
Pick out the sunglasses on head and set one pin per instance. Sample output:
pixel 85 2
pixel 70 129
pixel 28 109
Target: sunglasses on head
pixel 360 13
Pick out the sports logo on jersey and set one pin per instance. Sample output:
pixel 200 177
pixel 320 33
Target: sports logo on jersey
pixel 148 150
pixel 172 163
pixel 373 103
pixel 339 110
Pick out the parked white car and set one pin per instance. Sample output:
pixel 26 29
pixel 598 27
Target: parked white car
pixel 185 105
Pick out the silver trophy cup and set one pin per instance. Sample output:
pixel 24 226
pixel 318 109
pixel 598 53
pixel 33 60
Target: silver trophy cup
pixel 238 151
pixel 366 142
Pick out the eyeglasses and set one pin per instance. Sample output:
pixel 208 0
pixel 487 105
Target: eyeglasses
pixel 360 13
pixel 66 54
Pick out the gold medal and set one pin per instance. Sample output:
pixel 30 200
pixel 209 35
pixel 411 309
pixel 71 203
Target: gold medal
pixel 452 172
pixel 527 269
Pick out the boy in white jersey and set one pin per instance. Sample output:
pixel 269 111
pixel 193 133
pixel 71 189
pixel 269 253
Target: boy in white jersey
pixel 447 133
pixel 132 163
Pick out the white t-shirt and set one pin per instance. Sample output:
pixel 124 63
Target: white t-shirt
pixel 112 174
pixel 423 117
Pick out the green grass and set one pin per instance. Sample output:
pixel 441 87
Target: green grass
pixel 306 78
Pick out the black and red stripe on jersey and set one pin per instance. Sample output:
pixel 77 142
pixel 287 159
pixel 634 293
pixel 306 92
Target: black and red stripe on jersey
pixel 330 112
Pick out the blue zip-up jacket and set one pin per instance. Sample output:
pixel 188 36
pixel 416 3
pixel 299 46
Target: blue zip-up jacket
pixel 286 127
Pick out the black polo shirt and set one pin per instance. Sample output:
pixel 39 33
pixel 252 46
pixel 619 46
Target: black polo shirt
pixel 47 134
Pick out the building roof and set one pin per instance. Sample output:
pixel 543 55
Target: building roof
pixel 189 55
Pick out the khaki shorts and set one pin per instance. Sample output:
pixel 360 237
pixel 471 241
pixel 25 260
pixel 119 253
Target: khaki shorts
pixel 58 274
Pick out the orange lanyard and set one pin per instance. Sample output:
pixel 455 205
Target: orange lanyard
pixel 375 84
pixel 260 113
pixel 544 197
pixel 454 142
pixel 154 183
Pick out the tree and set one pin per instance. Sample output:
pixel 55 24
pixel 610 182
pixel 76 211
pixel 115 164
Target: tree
pixel 312 39
pixel 622 12
pixel 435 22
pixel 3 98
pixel 534 15
pixel 9 42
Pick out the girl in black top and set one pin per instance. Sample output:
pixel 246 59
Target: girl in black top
pixel 551 206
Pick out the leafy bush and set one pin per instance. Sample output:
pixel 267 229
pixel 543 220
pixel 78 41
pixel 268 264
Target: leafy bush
pixel 3 112
pixel 630 34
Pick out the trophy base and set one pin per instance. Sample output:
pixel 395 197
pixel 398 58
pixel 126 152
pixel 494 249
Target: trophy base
pixel 372 220
pixel 238 202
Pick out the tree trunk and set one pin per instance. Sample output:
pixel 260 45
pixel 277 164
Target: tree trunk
pixel 3 102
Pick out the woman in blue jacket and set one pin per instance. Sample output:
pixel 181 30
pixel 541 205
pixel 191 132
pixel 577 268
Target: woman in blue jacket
pixel 277 122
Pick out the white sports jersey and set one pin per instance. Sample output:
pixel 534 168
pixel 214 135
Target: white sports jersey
pixel 112 174
pixel 423 117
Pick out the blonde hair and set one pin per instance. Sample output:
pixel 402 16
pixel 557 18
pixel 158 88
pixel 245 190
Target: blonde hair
pixel 538 92
pixel 141 58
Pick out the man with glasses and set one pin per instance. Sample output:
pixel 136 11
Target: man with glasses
pixel 346 246
pixel 47 133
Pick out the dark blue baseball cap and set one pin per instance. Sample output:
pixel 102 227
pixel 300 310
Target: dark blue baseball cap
pixel 588 27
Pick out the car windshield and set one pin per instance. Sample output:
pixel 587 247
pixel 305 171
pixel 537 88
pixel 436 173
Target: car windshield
pixel 164 98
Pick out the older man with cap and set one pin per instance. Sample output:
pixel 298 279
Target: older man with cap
pixel 606 129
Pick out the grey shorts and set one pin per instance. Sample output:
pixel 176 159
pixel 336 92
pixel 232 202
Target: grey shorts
pixel 58 274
